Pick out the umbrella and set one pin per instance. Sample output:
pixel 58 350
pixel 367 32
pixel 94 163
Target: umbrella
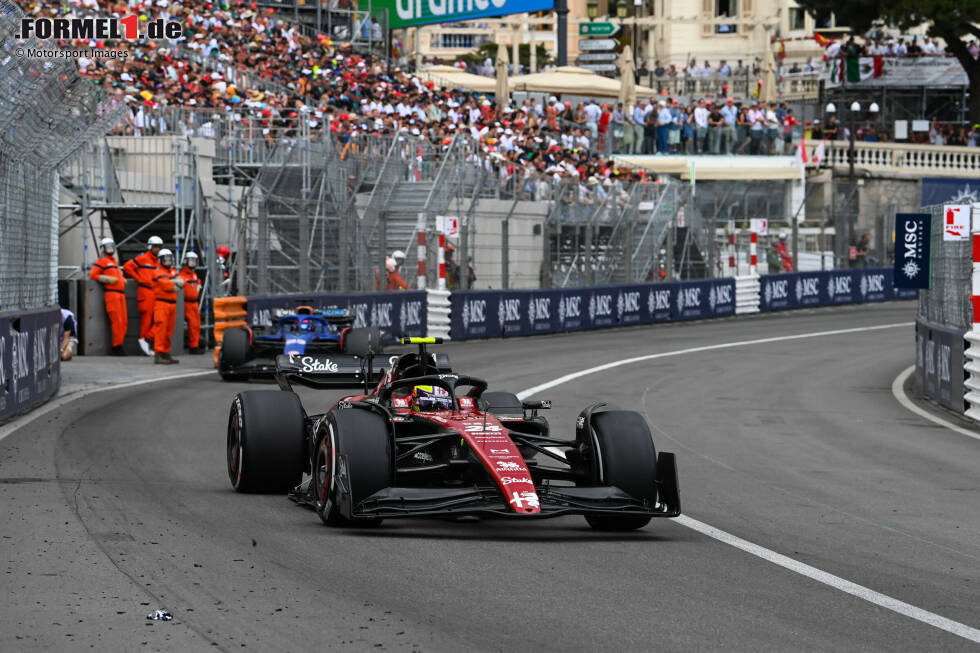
pixel 627 89
pixel 500 91
pixel 768 91
pixel 573 81
pixel 452 77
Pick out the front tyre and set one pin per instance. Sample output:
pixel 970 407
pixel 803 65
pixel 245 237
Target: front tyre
pixel 360 437
pixel 236 350
pixel 266 442
pixel 363 341
pixel 627 459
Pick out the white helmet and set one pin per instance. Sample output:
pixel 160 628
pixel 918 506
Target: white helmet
pixel 398 255
pixel 155 240
pixel 107 241
pixel 190 255
pixel 164 253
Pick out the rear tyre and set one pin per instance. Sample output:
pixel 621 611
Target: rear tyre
pixel 266 442
pixel 626 459
pixel 236 350
pixel 361 438
pixel 362 341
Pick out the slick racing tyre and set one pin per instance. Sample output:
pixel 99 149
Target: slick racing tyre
pixel 236 350
pixel 361 438
pixel 628 460
pixel 362 341
pixel 266 442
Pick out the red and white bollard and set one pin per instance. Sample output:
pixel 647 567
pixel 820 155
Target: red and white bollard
pixel 422 254
pixel 731 249
pixel 442 261
pixel 753 258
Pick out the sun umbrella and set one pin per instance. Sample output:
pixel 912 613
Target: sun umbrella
pixel 501 67
pixel 627 89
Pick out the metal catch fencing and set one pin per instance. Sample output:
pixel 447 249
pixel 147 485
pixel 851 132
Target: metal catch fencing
pixel 947 300
pixel 47 112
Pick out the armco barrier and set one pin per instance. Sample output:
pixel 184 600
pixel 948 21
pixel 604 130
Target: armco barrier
pixel 780 292
pixel 496 313
pixel 30 359
pixel 939 368
pixel 398 313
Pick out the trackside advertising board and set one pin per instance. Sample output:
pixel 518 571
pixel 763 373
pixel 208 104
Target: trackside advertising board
pixel 939 363
pixel 791 290
pixel 912 234
pixel 397 313
pixel 410 13
pixel 496 313
pixel 30 359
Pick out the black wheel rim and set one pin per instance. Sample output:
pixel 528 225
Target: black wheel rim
pixel 323 473
pixel 235 449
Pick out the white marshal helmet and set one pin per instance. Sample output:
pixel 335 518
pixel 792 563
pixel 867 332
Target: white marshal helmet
pixel 107 242
pixel 155 240
pixel 192 255
pixel 398 255
pixel 164 253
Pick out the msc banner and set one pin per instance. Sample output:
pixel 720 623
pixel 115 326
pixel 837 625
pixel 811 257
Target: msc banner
pixel 912 233
pixel 495 313
pixel 409 13
pixel 397 313
pixel 828 288
pixel 30 360
pixel 939 363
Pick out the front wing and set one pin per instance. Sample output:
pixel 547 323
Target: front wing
pixel 554 500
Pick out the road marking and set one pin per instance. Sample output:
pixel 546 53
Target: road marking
pixel 898 390
pixel 693 350
pixel 836 582
pixel 22 421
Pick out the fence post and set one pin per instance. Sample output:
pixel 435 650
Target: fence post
pixel 422 253
pixel 732 271
pixel 505 253
pixel 753 258
pixel 262 250
pixel 441 260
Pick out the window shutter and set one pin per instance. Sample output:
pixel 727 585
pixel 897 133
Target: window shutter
pixel 707 13
pixel 747 7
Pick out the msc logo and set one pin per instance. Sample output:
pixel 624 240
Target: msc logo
pixel 807 287
pixel 780 289
pixel 628 302
pixel 723 295
pixel 600 306
pixel 381 314
pixel 538 308
pixel 838 285
pixel 658 300
pixel 688 297
pixel 410 314
pixel 509 310
pixel 474 312
pixel 569 308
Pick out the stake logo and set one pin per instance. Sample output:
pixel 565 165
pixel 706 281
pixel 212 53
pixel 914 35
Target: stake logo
pixel 127 27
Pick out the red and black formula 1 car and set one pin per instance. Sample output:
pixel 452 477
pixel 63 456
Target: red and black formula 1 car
pixel 427 442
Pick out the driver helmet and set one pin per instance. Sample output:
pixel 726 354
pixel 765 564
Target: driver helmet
pixel 428 398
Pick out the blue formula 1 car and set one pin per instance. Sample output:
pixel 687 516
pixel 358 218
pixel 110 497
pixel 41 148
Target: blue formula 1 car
pixel 251 353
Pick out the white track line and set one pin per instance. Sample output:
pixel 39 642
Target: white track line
pixel 836 582
pixel 54 404
pixel 900 396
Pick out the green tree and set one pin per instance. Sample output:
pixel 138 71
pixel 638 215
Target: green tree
pixel 950 20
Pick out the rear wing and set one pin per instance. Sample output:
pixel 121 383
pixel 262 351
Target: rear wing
pixel 325 371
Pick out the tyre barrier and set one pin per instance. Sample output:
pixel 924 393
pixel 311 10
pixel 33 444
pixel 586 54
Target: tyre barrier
pixel 30 359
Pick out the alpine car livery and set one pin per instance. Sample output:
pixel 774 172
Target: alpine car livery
pixel 247 353
pixel 426 441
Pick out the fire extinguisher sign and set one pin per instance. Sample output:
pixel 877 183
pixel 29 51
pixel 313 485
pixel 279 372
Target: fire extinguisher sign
pixel 956 222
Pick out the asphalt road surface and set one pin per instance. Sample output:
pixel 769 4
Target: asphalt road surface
pixel 120 503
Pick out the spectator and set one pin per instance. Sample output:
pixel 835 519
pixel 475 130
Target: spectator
pixel 729 113
pixel 700 126
pixel 773 259
pixel 724 70
pixel 106 271
pixel 69 335
pixel 716 123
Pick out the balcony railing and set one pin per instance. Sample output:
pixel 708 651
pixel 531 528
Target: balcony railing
pixel 903 158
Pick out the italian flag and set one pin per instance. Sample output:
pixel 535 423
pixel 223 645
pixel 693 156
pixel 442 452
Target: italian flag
pixel 856 69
